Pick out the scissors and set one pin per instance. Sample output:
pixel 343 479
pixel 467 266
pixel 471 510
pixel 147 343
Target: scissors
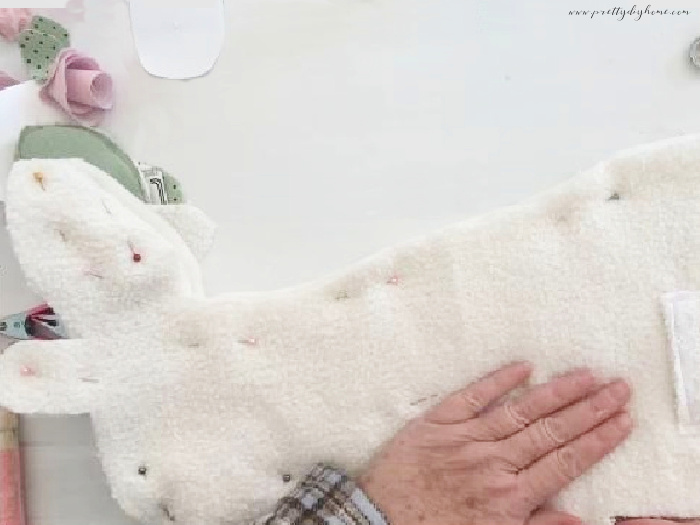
pixel 40 322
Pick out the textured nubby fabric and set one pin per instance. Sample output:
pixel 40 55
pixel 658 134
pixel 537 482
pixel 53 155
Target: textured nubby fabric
pixel 202 405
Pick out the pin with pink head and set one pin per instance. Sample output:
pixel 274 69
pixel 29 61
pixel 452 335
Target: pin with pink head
pixel 27 371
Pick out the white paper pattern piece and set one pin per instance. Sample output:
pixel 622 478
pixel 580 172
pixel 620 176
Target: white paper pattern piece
pixel 682 310
pixel 178 42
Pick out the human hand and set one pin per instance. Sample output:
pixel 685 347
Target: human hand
pixel 475 459
pixel 651 521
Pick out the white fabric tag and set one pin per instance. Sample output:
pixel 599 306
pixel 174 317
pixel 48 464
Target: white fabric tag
pixel 682 311
pixel 178 42
pixel 152 183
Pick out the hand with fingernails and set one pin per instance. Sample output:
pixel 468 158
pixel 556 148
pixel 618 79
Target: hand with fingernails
pixel 649 521
pixel 484 457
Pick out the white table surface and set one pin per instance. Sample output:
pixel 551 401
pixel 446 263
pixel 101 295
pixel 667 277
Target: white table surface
pixel 331 128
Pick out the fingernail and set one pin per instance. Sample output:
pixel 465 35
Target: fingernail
pixel 580 380
pixel 582 376
pixel 519 366
pixel 620 390
pixel 523 364
pixel 582 371
pixel 624 421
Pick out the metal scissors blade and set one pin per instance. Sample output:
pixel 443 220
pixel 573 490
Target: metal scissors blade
pixel 40 322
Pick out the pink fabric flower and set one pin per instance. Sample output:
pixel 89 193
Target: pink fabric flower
pixel 78 85
pixel 13 22
pixel 7 81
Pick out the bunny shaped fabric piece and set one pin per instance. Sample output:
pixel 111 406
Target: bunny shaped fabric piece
pixel 203 407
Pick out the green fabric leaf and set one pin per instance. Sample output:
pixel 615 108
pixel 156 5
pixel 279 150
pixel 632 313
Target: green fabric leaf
pixel 38 53
pixel 68 142
pixel 173 189
pixel 47 26
pixel 40 44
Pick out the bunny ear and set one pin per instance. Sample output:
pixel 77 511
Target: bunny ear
pixel 48 377
pixel 193 225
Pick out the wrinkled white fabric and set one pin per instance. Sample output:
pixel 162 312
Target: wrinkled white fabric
pixel 215 399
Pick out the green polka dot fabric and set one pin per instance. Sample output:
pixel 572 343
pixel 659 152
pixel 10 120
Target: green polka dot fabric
pixel 54 29
pixel 40 44
pixel 173 189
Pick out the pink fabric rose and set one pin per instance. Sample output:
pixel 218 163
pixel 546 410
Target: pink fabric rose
pixel 78 85
pixel 7 81
pixel 13 22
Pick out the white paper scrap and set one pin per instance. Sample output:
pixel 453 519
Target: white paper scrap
pixel 178 42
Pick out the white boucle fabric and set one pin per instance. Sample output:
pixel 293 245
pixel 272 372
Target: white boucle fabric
pixel 218 398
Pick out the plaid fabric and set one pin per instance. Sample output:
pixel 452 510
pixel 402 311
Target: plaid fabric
pixel 327 496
